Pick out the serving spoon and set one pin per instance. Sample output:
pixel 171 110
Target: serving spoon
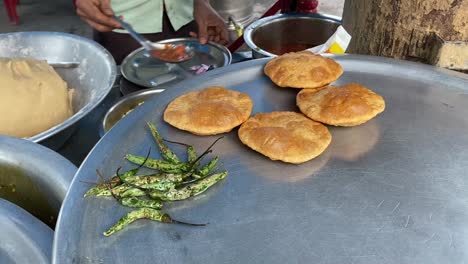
pixel 164 52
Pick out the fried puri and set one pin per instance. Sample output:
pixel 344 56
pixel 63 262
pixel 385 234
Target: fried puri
pixel 210 111
pixel 303 70
pixel 286 136
pixel 347 105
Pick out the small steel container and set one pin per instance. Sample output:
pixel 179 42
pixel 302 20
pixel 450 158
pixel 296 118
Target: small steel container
pixel 124 106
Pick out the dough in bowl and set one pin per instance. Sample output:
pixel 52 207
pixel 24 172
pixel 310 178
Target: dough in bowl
pixel 210 111
pixel 33 97
pixel 286 136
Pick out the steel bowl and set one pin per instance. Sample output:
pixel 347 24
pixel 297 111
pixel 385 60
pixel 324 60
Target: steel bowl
pixel 271 36
pixel 126 104
pixel 92 79
pixel 40 177
pixel 24 238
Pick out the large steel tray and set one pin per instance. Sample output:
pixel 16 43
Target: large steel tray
pixel 394 190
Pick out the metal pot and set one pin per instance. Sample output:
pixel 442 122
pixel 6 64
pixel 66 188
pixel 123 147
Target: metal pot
pixel 272 36
pixel 91 80
pixel 34 177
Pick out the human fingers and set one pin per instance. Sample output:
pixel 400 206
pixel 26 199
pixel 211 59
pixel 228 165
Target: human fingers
pixel 202 32
pixel 221 31
pixel 106 8
pixel 90 10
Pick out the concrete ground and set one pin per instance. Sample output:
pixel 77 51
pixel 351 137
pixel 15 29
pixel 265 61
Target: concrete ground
pixel 59 15
pixel 45 15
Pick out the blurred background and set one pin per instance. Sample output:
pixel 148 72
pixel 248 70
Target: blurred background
pixel 59 15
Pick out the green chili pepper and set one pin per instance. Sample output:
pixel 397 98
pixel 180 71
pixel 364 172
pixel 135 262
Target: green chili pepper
pixel 102 189
pixel 132 192
pixel 157 164
pixel 191 154
pixel 140 203
pixel 142 213
pixel 129 173
pixel 189 190
pixel 162 182
pixel 127 187
pixel 166 152
pixel 126 190
pixel 208 168
pixel 97 191
pixel 93 192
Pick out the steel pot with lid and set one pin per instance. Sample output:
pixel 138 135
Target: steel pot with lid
pixel 278 34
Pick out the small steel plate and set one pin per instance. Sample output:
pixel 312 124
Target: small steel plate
pixel 141 68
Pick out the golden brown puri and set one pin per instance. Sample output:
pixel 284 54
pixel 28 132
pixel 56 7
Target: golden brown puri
pixel 347 105
pixel 286 136
pixel 210 111
pixel 302 70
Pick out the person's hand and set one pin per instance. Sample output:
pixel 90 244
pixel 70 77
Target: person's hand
pixel 97 13
pixel 211 26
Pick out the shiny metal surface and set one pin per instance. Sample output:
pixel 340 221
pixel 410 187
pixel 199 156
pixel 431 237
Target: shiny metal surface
pixel 241 10
pixel 51 173
pixel 273 32
pixel 25 239
pixel 393 190
pixel 141 68
pixel 65 65
pixel 92 79
pixel 123 106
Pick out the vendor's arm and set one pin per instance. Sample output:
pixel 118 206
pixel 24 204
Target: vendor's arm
pixel 211 27
pixel 97 13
